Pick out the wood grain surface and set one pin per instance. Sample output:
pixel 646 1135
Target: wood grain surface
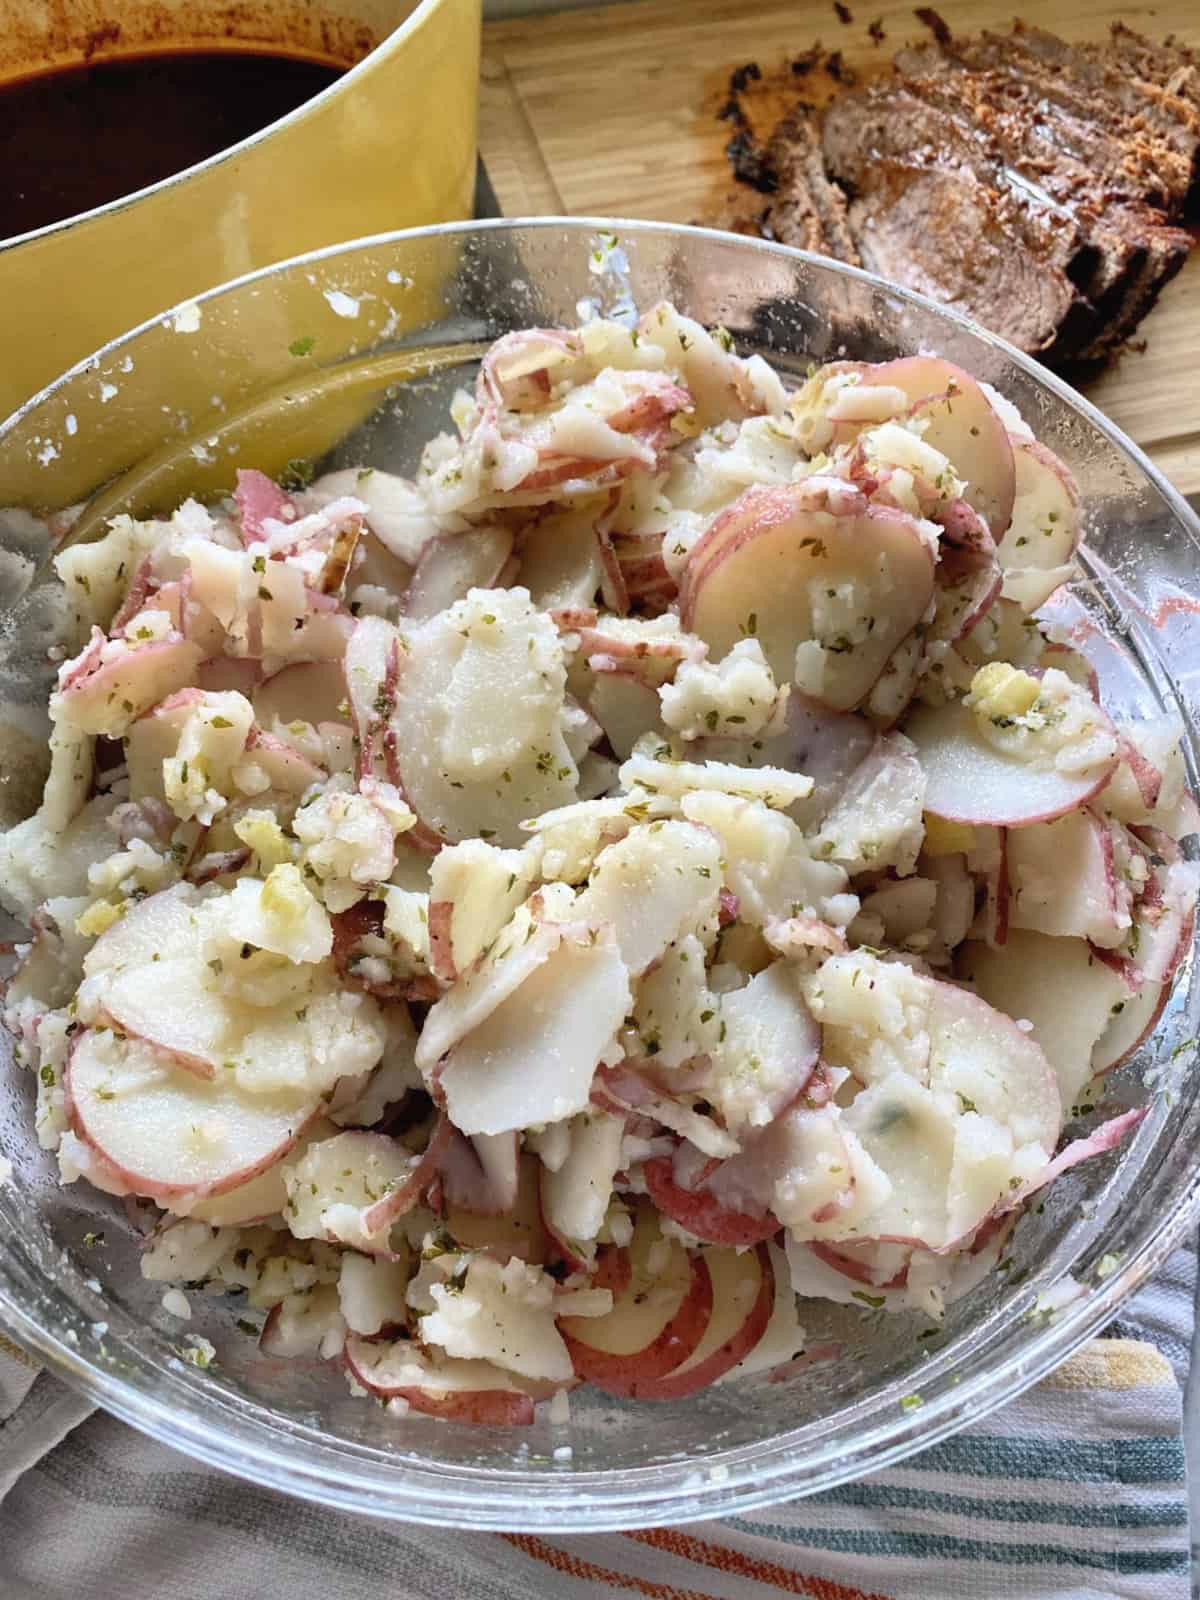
pixel 612 111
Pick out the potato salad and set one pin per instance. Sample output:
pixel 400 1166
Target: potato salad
pixel 540 922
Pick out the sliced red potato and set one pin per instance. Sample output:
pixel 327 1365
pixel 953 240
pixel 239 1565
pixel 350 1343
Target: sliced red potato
pixel 371 1291
pixel 768 1050
pixel 560 559
pixel 764 506
pixel 1150 776
pixel 351 1188
pixel 532 1059
pixel 263 1196
pixel 701 1212
pixel 656 1322
pixel 961 422
pixel 1062 880
pixel 954 899
pixel 945 1073
pixel 969 779
pixel 1062 988
pixel 575 1196
pixel 459 1391
pixel 103 696
pixel 1100 1142
pixel 165 1131
pixel 658 883
pixel 308 1322
pixel 473 891
pixel 626 707
pixel 501 1311
pixel 1047 519
pixel 452 565
pixel 397 513
pixel 527 941
pixel 877 820
pixel 773 581
pixel 904 906
pixel 474 729
pixel 783 1339
pixel 518 1231
pixel 482 1175
pixel 307 691
pixel 1131 1021
pixel 215 727
pixel 743 1291
pixel 279 763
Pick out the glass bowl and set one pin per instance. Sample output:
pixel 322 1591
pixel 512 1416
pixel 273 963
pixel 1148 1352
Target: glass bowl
pixel 350 355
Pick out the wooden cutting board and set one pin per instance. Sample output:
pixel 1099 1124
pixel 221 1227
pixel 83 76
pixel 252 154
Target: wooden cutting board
pixel 611 111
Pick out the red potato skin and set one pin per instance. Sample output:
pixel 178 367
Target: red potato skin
pixel 349 927
pixel 181 1058
pixel 441 947
pixel 497 1407
pixel 167 1191
pixel 406 1195
pixel 701 1213
pixel 624 1375
pixel 675 1385
pixel 853 1269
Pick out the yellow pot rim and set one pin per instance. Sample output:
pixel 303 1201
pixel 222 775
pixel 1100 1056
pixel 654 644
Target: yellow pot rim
pixel 386 47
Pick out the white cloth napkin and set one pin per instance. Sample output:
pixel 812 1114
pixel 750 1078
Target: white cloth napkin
pixel 1077 1491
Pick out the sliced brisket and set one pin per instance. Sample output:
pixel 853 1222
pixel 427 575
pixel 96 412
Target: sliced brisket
pixel 1028 182
pixel 808 211
pixel 941 231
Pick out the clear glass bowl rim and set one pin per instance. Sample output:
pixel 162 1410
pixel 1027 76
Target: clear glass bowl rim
pixel 730 1481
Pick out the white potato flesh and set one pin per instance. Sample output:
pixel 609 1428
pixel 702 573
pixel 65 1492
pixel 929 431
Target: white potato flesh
pixel 339 1188
pixel 961 422
pixel 397 513
pixel 471 1391
pixel 1062 879
pixel 969 780
pixel 560 559
pixel 522 946
pixel 113 692
pixel 663 880
pixel 1047 519
pixel 932 1055
pixel 307 1322
pixel 877 822
pixel 769 1049
pixel 481 887
pixel 1060 987
pixel 625 706
pixel 167 1132
pixel 575 1196
pixel 768 864
pixel 454 564
pixel 676 1012
pixel 500 1313
pixel 370 1291
pixel 654 768
pixel 533 1059
pixel 853 587
pixel 263 1196
pixel 477 720
pixel 308 691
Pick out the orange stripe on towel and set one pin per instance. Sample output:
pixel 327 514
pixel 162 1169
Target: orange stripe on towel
pixel 723 1559
pixel 575 1567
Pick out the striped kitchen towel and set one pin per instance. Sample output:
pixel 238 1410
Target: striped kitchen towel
pixel 1077 1491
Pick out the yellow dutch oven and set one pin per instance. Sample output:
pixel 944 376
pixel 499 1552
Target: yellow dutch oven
pixel 390 144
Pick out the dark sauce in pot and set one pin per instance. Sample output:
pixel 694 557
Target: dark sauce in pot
pixel 81 136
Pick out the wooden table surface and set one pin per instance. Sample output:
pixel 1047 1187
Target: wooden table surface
pixel 611 111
